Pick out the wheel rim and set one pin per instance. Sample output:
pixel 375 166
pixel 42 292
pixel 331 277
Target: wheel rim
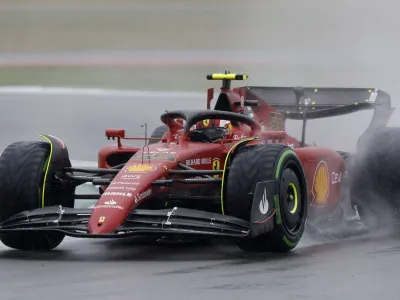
pixel 291 206
pixel 292 198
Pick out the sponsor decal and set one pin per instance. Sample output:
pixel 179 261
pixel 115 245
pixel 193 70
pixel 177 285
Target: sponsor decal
pixel 206 122
pixel 264 206
pixel 239 137
pixel 216 164
pixel 198 161
pixel 241 101
pixel 206 161
pixel 130 188
pixel 140 168
pixel 276 121
pixel 115 188
pixel 102 219
pixel 320 187
pixel 163 149
pixel 109 204
pixel 121 188
pixel 336 177
pixel 131 177
pixel 290 145
pixel 126 182
pixel 194 178
pixel 118 194
pixel 170 156
pixel 143 195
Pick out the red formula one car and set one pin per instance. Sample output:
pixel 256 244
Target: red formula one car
pixel 228 172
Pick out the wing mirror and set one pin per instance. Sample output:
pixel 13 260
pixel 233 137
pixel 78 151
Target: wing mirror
pixel 115 133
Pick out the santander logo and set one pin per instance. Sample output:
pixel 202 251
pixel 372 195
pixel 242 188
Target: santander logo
pixel 110 204
pixel 142 195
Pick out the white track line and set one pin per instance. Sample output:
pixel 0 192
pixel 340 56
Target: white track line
pixel 119 6
pixel 70 91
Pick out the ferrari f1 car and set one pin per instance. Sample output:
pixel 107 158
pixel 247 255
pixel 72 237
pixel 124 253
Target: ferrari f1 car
pixel 247 180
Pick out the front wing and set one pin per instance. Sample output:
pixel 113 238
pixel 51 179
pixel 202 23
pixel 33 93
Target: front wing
pixel 74 222
pixel 177 221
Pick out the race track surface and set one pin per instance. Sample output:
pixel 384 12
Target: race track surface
pixel 358 268
pixel 364 268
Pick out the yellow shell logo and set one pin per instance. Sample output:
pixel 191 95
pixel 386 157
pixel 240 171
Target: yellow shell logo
pixel 321 184
pixel 140 168
pixel 206 122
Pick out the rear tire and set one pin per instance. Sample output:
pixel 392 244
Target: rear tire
pixel 259 163
pixel 375 180
pixel 22 170
pixel 158 133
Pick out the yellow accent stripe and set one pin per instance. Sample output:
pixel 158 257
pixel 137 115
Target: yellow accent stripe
pixel 47 168
pixel 226 162
pixel 296 199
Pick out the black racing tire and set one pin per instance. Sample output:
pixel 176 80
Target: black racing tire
pixel 22 166
pixel 375 180
pixel 158 133
pixel 259 163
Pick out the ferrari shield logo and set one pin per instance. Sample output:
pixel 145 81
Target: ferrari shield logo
pixel 206 122
pixel 140 168
pixel 216 165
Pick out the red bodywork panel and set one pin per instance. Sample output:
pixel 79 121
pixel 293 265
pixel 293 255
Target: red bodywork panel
pixel 324 167
pixel 132 185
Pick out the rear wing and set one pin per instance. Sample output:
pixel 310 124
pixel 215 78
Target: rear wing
pixel 272 106
pixel 314 103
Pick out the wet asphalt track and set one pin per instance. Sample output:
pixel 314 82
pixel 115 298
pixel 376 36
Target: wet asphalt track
pixel 359 268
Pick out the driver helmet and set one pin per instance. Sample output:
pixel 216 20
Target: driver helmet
pixel 214 123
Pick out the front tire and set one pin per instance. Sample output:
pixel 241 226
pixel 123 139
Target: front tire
pixel 22 169
pixel 260 163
